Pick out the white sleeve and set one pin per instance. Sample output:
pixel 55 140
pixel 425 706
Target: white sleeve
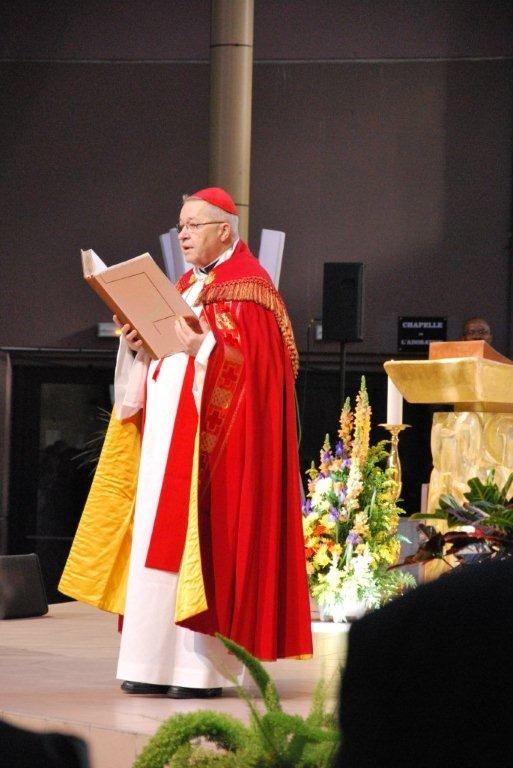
pixel 200 366
pixel 129 380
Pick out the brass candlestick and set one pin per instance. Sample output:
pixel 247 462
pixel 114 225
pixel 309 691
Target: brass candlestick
pixel 393 461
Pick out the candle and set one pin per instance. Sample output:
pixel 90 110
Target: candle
pixel 394 404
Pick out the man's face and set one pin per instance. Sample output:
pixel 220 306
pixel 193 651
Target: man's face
pixel 203 244
pixel 477 329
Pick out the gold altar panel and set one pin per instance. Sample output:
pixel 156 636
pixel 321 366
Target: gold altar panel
pixel 466 445
pixel 470 383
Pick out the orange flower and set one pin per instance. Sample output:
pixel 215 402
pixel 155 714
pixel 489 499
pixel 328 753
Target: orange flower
pixel 346 426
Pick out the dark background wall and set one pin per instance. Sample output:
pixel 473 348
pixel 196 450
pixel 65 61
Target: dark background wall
pixel 381 133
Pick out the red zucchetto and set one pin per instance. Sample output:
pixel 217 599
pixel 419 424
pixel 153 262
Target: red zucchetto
pixel 218 197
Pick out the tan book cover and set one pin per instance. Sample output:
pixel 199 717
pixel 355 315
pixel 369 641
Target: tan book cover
pixel 140 294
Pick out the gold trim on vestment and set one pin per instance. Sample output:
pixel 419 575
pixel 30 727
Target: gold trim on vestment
pixel 191 597
pixel 261 292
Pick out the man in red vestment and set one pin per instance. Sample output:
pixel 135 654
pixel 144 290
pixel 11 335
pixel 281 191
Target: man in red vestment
pixel 228 514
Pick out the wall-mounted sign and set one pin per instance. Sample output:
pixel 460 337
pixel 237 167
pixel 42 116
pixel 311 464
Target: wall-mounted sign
pixel 415 333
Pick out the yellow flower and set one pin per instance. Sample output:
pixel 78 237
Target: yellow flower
pixel 354 487
pixel 360 525
pixel 328 522
pixel 346 426
pixel 362 422
pixel 321 558
pixel 309 522
pixel 326 448
pixel 312 472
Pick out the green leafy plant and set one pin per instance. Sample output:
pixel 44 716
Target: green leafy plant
pixel 478 529
pixel 272 738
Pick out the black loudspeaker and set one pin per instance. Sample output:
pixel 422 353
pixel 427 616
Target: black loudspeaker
pixel 342 301
pixel 22 591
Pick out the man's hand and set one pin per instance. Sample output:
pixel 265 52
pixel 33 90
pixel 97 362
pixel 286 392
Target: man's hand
pixel 191 333
pixel 130 334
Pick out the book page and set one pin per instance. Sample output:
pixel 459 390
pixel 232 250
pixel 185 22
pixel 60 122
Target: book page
pixel 91 263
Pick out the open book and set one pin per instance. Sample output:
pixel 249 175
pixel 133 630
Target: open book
pixel 140 294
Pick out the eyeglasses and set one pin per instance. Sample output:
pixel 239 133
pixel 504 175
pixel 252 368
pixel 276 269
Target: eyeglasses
pixel 192 226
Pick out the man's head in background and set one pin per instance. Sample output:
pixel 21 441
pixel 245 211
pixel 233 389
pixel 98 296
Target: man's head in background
pixel 476 328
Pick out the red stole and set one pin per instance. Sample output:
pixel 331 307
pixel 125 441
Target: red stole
pixel 168 538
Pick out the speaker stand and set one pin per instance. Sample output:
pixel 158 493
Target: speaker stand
pixel 342 382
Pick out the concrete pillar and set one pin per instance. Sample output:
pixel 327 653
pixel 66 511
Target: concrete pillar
pixel 231 78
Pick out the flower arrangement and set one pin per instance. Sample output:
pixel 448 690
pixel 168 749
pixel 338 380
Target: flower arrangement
pixel 350 520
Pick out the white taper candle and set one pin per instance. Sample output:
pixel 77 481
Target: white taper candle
pixel 394 404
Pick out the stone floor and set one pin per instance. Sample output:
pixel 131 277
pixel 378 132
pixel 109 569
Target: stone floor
pixel 57 673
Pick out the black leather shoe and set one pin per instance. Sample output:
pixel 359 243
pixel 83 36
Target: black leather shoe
pixel 177 692
pixel 144 689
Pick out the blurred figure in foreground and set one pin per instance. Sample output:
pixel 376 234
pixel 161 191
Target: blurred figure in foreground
pixel 21 748
pixel 427 678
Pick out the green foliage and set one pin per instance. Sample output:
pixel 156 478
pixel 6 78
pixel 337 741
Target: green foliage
pixel 488 492
pixel 221 730
pixel 273 738
pixel 257 672
pixel 392 583
pixel 376 481
pixel 489 512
